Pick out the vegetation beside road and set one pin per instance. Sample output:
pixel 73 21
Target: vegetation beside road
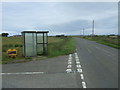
pixel 56 46
pixel 65 46
pixel 112 41
pixel 11 43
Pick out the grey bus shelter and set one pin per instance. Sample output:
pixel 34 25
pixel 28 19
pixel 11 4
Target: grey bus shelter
pixel 35 43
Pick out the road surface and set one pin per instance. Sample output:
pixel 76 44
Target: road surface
pixel 92 66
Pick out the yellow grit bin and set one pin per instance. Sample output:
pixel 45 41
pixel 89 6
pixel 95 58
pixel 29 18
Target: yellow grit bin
pixel 12 53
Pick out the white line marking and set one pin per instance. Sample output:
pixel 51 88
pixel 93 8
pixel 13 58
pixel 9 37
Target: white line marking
pixel 69 62
pixel 77 57
pixel 77 62
pixel 78 66
pixel 69 70
pixel 82 77
pixel 84 85
pixel 75 53
pixel 79 70
pixel 70 55
pixel 23 73
pixel 69 66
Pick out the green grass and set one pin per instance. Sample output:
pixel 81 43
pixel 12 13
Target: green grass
pixel 56 46
pixel 11 43
pixel 63 47
pixel 106 40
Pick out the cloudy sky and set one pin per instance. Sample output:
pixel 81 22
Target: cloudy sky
pixel 60 18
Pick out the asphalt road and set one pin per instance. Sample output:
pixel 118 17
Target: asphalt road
pixel 99 62
pixel 92 66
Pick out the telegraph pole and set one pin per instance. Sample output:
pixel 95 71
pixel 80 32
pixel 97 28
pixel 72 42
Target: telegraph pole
pixel 93 28
pixel 83 31
pixel 80 33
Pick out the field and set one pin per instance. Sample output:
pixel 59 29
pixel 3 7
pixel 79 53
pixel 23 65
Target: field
pixel 56 46
pixel 112 41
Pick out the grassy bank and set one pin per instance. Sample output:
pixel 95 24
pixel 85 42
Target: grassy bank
pixel 112 41
pixel 63 47
pixel 56 46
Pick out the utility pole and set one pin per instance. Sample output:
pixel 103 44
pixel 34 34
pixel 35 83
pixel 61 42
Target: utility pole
pixel 93 28
pixel 80 33
pixel 83 31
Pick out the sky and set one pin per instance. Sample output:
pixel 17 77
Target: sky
pixel 67 18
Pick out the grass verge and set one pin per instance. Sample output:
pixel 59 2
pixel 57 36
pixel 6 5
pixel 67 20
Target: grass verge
pixel 56 46
pixel 64 47
pixel 105 40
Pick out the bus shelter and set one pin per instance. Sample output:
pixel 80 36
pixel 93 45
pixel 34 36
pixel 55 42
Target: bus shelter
pixel 35 43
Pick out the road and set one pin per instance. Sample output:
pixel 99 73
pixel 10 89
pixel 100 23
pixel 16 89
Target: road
pixel 92 66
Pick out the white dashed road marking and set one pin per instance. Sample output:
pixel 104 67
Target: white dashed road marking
pixel 76 57
pixel 84 85
pixel 78 66
pixel 70 55
pixel 69 62
pixel 79 70
pixel 69 70
pixel 22 73
pixel 81 75
pixel 77 62
pixel 69 67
